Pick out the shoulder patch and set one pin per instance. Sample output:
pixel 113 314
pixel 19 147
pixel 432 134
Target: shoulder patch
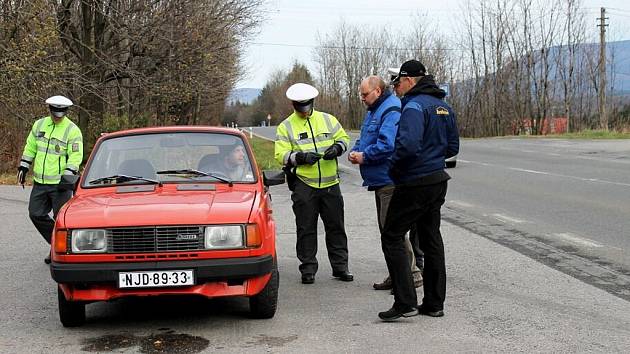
pixel 441 111
pixel 75 147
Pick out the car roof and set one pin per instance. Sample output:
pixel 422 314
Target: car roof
pixel 173 129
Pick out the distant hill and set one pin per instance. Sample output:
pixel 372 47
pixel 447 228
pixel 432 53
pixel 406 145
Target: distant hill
pixel 618 57
pixel 243 95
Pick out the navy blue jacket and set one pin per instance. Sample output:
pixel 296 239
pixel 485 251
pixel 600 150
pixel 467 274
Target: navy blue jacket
pixel 376 141
pixel 427 134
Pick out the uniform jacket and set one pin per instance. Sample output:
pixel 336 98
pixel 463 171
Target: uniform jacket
pixel 427 134
pixel 378 134
pixel 313 134
pixel 52 150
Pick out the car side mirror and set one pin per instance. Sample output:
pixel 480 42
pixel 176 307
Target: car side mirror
pixel 273 177
pixel 69 182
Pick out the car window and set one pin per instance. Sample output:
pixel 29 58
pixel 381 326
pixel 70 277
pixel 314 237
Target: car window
pixel 144 155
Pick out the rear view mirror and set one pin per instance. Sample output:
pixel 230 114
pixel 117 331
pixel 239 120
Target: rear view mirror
pixel 69 182
pixel 273 177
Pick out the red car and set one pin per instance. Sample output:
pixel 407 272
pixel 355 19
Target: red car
pixel 167 211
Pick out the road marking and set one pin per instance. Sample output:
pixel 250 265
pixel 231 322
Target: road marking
pixel 506 218
pixel 528 171
pixel 461 204
pixel 567 236
pixel 594 180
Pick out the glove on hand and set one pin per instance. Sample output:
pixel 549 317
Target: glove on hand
pixel 308 158
pixel 21 175
pixel 333 151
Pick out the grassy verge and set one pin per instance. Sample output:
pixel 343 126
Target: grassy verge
pixel 585 134
pixel 263 151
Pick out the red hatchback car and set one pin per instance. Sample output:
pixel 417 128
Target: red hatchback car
pixel 167 211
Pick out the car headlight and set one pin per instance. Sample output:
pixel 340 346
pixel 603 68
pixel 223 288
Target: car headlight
pixel 89 241
pixel 230 236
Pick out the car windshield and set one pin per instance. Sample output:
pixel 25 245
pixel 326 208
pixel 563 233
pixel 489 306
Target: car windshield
pixel 171 157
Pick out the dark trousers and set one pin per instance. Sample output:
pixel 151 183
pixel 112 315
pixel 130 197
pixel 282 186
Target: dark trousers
pixel 383 196
pixel 308 204
pixel 419 205
pixel 45 197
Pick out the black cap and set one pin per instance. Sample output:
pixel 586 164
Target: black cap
pixel 410 68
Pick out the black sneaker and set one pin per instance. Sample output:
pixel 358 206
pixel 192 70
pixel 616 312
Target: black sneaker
pixel 308 278
pixel 394 314
pixel 423 311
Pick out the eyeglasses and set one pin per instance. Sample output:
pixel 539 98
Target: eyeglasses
pixel 364 95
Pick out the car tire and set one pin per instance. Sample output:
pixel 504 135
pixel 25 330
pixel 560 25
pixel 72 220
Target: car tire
pixel 451 164
pixel 71 313
pixel 264 304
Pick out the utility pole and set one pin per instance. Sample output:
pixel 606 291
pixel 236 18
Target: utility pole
pixel 603 118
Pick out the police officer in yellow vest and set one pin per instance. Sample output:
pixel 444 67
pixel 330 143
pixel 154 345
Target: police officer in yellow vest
pixel 54 147
pixel 309 143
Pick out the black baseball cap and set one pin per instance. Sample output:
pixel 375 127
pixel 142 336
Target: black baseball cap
pixel 410 68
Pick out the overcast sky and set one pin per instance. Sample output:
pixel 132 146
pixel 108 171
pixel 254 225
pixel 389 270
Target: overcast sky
pixel 290 30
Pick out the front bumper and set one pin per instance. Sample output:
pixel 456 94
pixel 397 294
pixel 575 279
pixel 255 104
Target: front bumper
pixel 206 270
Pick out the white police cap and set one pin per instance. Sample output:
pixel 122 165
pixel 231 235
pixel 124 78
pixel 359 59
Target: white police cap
pixel 301 92
pixel 59 102
pixel 393 71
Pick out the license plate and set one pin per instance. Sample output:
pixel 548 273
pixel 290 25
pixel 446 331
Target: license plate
pixel 156 279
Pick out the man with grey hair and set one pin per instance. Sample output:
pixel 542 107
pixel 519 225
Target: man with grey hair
pixel 372 150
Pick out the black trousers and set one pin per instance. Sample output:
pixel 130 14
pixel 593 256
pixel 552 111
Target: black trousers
pixel 419 205
pixel 383 196
pixel 45 197
pixel 308 204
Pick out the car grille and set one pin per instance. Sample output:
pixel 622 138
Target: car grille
pixel 155 239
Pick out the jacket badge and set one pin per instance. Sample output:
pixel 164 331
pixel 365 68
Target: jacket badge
pixel 441 111
pixel 75 147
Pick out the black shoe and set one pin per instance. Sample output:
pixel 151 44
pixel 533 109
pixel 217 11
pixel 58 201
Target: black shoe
pixel 47 259
pixel 308 278
pixel 423 311
pixel 343 275
pixel 394 314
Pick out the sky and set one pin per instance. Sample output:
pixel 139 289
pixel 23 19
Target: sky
pixel 289 31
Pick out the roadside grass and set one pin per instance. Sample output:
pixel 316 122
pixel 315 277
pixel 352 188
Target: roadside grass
pixel 584 134
pixel 263 151
pixel 10 178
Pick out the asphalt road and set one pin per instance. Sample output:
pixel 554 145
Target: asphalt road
pixel 501 298
pixel 564 202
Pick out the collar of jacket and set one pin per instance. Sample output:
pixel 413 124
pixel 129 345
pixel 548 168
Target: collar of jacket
pixel 51 121
pixel 426 86
pixel 374 106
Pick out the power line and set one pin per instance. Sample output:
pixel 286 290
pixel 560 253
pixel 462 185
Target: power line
pixel 351 47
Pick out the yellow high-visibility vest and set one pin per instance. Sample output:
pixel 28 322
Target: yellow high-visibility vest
pixel 312 134
pixel 52 150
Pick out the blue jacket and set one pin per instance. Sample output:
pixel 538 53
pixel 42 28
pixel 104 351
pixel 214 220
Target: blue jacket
pixel 427 134
pixel 376 141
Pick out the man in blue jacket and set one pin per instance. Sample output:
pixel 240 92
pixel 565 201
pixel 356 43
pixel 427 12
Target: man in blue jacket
pixel 372 151
pixel 427 134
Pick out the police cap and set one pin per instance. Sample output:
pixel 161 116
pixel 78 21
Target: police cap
pixel 59 102
pixel 301 92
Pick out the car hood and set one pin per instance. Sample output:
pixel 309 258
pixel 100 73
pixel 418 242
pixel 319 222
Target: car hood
pixel 158 208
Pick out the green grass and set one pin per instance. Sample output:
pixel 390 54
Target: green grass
pixel 263 151
pixel 595 134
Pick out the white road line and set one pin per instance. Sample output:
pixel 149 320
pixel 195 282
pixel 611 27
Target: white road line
pixel 460 204
pixel 528 171
pixel 506 218
pixel 567 236
pixel 594 180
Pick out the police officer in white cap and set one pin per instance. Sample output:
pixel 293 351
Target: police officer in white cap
pixel 54 148
pixel 308 143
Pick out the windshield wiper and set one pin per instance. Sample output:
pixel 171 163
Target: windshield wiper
pixel 197 173
pixel 124 178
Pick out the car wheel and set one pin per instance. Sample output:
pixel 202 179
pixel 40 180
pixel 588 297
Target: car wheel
pixel 71 313
pixel 451 164
pixel 264 304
